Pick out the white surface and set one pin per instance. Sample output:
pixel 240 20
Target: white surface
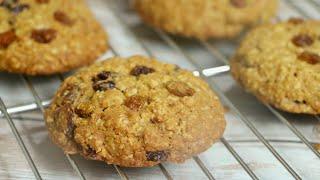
pixel 52 164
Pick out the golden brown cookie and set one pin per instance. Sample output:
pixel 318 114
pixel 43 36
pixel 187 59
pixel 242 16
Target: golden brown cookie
pixel 41 37
pixel 280 64
pixel 135 112
pixel 205 19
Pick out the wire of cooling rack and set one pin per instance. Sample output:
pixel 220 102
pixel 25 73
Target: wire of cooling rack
pixel 24 107
pixel 40 104
pixel 20 141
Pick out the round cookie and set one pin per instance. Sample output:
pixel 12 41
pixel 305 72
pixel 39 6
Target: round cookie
pixel 135 112
pixel 42 37
pixel 203 19
pixel 280 64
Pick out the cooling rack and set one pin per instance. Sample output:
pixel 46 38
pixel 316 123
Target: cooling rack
pixel 260 142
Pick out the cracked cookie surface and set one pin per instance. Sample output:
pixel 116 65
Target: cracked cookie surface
pixel 280 64
pixel 135 112
pixel 42 37
pixel 205 19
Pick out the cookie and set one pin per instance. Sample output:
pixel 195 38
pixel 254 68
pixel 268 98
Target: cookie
pixel 42 37
pixel 135 112
pixel 280 64
pixel 203 19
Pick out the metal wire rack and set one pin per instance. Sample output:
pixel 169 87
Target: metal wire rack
pixel 114 7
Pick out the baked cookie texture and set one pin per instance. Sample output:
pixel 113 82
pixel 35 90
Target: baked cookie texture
pixel 135 112
pixel 280 64
pixel 42 37
pixel 203 19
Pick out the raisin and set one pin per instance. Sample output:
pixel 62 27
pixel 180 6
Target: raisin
pixel 42 1
pixel 90 152
pixel 309 57
pixel 7 38
pixel 138 70
pixel 180 89
pixel 238 3
pixel 11 21
pixel 100 82
pixel 44 35
pixel 70 129
pixel 302 40
pixel 104 75
pixel 296 20
pixel 7 6
pixel 63 18
pixel 7 3
pixel 156 156
pixel 156 120
pixel 82 113
pixel 65 113
pixel 300 102
pixel 19 8
pixel 135 102
pixel 103 85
